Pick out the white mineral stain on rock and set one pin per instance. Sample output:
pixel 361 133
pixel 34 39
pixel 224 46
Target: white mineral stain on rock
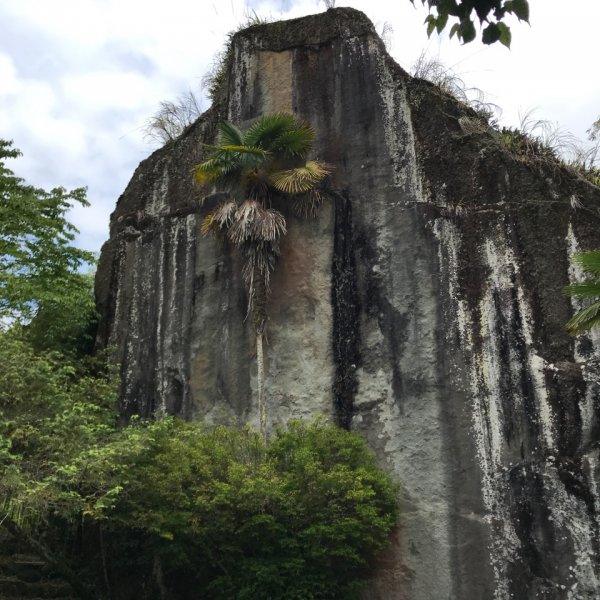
pixel 159 203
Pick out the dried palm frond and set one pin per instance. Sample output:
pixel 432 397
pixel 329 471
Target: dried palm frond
pixel 256 182
pixel 307 205
pixel 260 259
pixel 254 222
pixel 300 179
pixel 218 219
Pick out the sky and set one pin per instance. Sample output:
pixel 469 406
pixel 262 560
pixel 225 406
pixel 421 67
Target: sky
pixel 80 78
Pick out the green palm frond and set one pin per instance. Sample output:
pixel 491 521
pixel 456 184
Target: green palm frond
pixel 218 160
pixel 300 179
pixel 230 135
pixel 228 161
pixel 253 222
pixel 268 129
pixel 588 261
pixel 208 171
pixel 255 151
pixel 295 142
pixel 585 319
pixel 590 289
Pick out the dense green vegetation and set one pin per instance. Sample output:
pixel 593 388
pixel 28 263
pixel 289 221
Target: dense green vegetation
pixel 39 265
pixel 204 511
pixel 222 513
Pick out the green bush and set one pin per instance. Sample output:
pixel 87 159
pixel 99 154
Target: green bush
pixel 223 514
pixel 51 410
pixel 300 518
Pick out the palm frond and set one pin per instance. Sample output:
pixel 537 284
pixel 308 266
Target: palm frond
pixel 253 222
pixel 218 219
pixel 307 205
pixel 590 289
pixel 227 161
pixel 220 166
pixel 268 129
pixel 300 179
pixel 585 319
pixel 230 135
pixel 254 150
pixel 588 261
pixel 260 259
pixel 295 141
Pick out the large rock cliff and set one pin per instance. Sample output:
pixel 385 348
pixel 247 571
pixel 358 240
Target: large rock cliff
pixel 422 309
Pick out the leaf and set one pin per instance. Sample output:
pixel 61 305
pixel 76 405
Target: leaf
pixel 300 179
pixel 520 8
pixel 453 30
pixel 230 135
pixel 431 23
pixel 588 261
pixel 253 222
pixel 268 129
pixel 441 22
pixel 482 11
pixel 583 290
pixel 466 31
pixel 584 319
pixel 505 35
pixel 490 34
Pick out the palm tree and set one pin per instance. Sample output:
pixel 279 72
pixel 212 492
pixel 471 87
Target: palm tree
pixel 589 316
pixel 265 163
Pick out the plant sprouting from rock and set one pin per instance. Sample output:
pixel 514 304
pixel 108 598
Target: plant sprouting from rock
pixel 589 291
pixel 263 164
pixel 172 118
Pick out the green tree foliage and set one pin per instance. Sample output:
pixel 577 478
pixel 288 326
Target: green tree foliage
pixel 262 166
pixel 491 12
pixel 224 515
pixel 230 518
pixel 51 409
pixel 589 291
pixel 39 265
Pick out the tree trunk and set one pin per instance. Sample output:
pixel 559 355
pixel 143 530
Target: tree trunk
pixel 260 377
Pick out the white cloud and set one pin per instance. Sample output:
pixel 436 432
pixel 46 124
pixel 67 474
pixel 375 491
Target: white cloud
pixel 101 91
pixel 78 78
pixel 8 76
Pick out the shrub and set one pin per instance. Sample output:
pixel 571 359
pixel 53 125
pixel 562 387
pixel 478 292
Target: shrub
pixel 229 517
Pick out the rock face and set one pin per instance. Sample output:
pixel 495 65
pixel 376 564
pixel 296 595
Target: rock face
pixel 422 309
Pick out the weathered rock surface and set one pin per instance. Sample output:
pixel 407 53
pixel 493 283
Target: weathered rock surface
pixel 423 309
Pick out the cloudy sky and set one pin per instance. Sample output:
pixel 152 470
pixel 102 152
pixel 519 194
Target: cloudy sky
pixel 79 78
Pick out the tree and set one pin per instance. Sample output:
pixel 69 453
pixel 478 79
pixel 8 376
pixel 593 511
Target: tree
pixel 262 166
pixel 589 316
pixel 39 265
pixel 492 12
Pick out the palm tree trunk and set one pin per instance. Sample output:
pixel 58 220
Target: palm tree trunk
pixel 260 363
